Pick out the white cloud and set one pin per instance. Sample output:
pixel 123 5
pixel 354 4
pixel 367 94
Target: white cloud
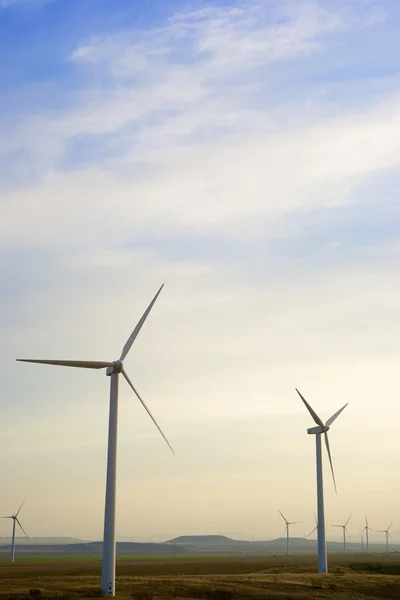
pixel 259 176
pixel 222 41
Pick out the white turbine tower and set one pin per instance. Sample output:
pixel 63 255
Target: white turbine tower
pixel 367 529
pixel 344 527
pixel 318 431
pixel 387 536
pixel 113 370
pixel 287 531
pixel 15 520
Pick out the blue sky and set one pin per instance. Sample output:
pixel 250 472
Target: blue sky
pixel 246 154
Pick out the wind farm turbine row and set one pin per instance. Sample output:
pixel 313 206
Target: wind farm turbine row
pixel 116 368
pixel 365 530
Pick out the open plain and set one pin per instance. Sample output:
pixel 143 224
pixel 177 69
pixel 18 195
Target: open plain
pixel 353 577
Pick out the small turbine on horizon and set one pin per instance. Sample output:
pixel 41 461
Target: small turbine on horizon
pixel 367 529
pixel 318 431
pixel 15 520
pixel 287 531
pixel 114 369
pixel 344 527
pixel 386 531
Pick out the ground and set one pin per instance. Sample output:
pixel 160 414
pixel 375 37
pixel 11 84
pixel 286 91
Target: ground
pixel 206 578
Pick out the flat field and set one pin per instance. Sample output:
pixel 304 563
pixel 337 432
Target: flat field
pixel 352 577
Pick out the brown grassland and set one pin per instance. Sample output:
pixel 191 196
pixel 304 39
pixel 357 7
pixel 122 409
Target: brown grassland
pixel 352 577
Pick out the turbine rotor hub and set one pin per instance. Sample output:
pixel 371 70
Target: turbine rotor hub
pixel 318 429
pixel 118 366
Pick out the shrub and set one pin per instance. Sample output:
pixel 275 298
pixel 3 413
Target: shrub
pixel 142 595
pixel 317 584
pixel 35 593
pixel 221 594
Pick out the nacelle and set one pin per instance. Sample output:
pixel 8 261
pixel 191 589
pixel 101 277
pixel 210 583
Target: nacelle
pixel 318 429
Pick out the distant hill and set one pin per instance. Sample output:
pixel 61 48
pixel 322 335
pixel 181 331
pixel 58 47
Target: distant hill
pixel 220 544
pixel 202 539
pixel 94 549
pixel 40 541
pixel 181 546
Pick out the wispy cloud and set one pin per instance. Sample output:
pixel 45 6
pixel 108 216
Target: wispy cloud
pixel 224 40
pixel 23 3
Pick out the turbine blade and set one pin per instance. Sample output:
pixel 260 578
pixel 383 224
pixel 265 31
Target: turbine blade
pixel 17 513
pixel 282 515
pixel 145 407
pixel 348 520
pixel 21 527
pixel 311 411
pixel 390 525
pixel 360 532
pixel 316 520
pixel 6 517
pixel 83 364
pixel 330 457
pixel 312 531
pixel 336 526
pixel 366 522
pixel 138 327
pixel 335 416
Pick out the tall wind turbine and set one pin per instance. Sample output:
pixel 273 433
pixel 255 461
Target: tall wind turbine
pixel 387 536
pixel 15 520
pixel 287 531
pixel 344 527
pixel 114 369
pixel 367 529
pixel 318 431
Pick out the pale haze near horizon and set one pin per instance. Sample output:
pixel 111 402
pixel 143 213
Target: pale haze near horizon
pixel 246 155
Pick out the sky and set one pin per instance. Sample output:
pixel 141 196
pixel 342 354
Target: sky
pixel 247 155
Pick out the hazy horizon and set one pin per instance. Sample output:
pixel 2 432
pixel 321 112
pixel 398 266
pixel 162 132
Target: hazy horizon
pixel 245 154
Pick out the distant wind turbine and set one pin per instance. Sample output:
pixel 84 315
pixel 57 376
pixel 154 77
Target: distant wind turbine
pixel 316 525
pixel 287 531
pixel 318 431
pixel 15 520
pixel 344 527
pixel 367 529
pixel 386 531
pixel 114 369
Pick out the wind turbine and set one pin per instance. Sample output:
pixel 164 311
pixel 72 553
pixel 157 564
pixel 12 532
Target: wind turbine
pixel 367 529
pixel 317 431
pixel 15 520
pixel 287 531
pixel 387 536
pixel 316 525
pixel 114 369
pixel 344 527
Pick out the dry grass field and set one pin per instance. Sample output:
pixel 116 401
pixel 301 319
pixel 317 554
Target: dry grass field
pixel 207 578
